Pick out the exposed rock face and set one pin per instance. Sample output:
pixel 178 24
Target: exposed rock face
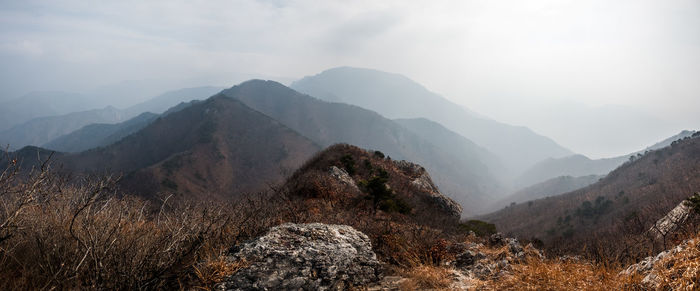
pixel 306 257
pixel 671 220
pixel 423 181
pixel 649 266
pixel 342 176
pixel 474 263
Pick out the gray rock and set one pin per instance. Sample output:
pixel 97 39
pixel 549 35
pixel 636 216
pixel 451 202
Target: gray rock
pixel 496 240
pixel 306 257
pixel 423 182
pixel 646 266
pixel 465 259
pixel 672 220
pixel 343 176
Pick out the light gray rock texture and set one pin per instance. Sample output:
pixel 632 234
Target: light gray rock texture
pixel 423 182
pixel 306 257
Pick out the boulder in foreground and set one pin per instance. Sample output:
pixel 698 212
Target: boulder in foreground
pixel 306 256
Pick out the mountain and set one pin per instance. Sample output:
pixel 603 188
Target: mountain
pixel 329 123
pixel 41 130
pixel 396 96
pixel 551 187
pixel 457 146
pixel 163 102
pixel 218 148
pixel 624 203
pixel 355 180
pixel 99 134
pixel 40 104
pixel 574 165
pixel 28 157
pixel 580 165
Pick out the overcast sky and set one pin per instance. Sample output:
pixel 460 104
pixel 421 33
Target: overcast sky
pixel 601 77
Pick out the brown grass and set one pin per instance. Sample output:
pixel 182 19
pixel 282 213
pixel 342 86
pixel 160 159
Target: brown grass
pixel 426 277
pixel 561 275
pixel 680 271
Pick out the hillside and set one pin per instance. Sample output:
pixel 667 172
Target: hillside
pixel 458 147
pixel 218 148
pixel 163 102
pixel 395 96
pixel 574 165
pixel 99 134
pixel 623 204
pixel 551 187
pixel 355 180
pixel 41 130
pixel 27 157
pixel 46 125
pixel 579 165
pixel 329 123
pixel 41 104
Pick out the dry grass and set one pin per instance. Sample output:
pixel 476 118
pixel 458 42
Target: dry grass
pixel 680 271
pixel 215 269
pixel 561 275
pixel 83 234
pixel 426 277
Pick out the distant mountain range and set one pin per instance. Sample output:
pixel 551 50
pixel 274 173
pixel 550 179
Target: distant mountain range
pixel 41 104
pixel 253 134
pixel 42 131
pixel 550 188
pixel 640 191
pixel 395 96
pixel 99 134
pixel 579 165
pixel 328 123
pixel 218 148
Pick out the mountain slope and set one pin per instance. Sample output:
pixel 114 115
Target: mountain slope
pixel 216 148
pixel 40 104
pixel 329 123
pixel 579 165
pixel 41 130
pixel 455 145
pixel 551 187
pixel 99 134
pixel 396 96
pixel 163 102
pixel 643 190
pixel 574 165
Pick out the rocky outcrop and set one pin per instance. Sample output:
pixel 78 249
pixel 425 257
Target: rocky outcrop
pixel 476 264
pixel 343 177
pixel 650 266
pixel 305 257
pixel 672 220
pixel 422 181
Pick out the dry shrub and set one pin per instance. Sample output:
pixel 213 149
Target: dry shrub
pixel 680 271
pixel 83 234
pixel 215 269
pixel 426 277
pixel 561 275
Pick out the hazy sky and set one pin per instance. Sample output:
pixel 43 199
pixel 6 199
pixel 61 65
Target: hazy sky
pixel 601 77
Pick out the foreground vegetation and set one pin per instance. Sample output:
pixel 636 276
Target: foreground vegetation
pixel 59 232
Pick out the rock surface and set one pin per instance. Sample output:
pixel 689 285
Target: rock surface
pixel 647 266
pixel 423 181
pixel 306 257
pixel 671 220
pixel 343 176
